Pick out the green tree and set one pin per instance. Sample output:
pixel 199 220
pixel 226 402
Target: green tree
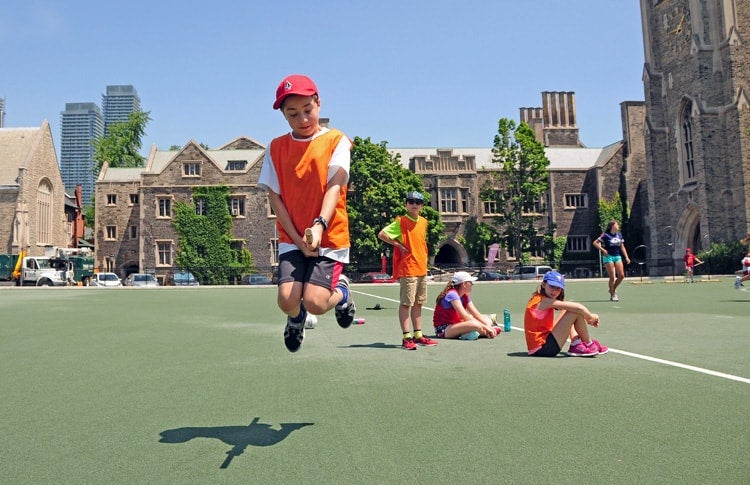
pixel 519 186
pixel 379 183
pixel 121 145
pixel 722 258
pixel 205 246
pixel 478 237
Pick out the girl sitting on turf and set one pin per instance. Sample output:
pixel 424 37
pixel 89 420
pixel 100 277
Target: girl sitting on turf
pixel 546 335
pixel 456 316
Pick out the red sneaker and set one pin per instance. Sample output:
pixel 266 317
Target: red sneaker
pixel 408 344
pixel 425 342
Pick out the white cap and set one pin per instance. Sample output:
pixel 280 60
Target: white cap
pixel 461 277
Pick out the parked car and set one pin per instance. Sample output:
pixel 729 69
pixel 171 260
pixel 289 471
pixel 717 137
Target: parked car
pixel 256 279
pixel 105 279
pixel 492 276
pixel 529 272
pixel 374 277
pixel 181 278
pixel 141 279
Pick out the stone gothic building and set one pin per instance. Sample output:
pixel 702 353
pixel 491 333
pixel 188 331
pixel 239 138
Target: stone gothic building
pixel 696 80
pixel 33 212
pixel 579 178
pixel 135 206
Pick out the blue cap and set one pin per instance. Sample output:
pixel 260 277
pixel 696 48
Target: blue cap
pixel 414 195
pixel 555 279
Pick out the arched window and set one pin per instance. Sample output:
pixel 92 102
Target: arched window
pixel 688 156
pixel 44 212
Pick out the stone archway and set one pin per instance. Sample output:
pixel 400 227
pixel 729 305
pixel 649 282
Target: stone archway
pixel 450 253
pixel 688 231
pixel 127 269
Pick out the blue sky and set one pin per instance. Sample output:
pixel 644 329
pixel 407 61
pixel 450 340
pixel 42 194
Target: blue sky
pixel 413 73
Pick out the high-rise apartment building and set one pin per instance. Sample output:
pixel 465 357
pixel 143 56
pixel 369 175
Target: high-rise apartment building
pixel 81 123
pixel 118 103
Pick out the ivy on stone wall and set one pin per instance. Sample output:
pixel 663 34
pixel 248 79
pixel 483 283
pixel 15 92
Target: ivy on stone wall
pixel 205 244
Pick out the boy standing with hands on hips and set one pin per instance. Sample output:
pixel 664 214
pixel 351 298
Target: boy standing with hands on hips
pixel 305 173
pixel 408 236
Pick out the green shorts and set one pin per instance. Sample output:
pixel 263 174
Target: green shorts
pixel 611 259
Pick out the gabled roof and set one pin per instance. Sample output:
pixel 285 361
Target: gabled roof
pixel 608 152
pixel 120 174
pixel 158 160
pixel 16 148
pixel 242 143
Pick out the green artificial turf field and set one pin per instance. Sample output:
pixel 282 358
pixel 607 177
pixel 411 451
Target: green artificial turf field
pixel 194 385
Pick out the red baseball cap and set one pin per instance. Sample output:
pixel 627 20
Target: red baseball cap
pixel 294 84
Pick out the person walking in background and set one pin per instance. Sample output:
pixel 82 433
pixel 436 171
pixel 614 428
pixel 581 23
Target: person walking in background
pixel 408 236
pixel 546 335
pixel 690 262
pixel 456 316
pixel 738 280
pixel 305 173
pixel 612 246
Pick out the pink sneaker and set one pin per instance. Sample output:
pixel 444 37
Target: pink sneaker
pixel 582 350
pixel 601 349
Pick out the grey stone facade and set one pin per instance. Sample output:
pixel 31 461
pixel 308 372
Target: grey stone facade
pixel 32 194
pixel 579 178
pixel 697 85
pixel 134 207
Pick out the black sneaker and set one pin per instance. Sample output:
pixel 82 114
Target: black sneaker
pixel 346 309
pixel 294 333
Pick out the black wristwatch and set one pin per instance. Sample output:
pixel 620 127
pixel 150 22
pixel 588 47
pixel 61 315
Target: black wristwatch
pixel 322 221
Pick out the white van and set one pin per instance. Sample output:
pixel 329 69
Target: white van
pixel 529 272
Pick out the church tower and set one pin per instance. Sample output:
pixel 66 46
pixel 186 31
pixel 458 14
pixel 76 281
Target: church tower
pixel 696 81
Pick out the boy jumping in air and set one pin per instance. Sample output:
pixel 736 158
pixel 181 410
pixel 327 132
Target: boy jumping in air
pixel 305 173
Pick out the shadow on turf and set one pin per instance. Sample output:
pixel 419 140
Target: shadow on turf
pixel 374 345
pixel 239 437
pixel 561 355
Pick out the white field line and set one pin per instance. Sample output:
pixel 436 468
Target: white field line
pixel 623 352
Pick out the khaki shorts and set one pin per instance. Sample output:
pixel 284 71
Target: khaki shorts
pixel 413 290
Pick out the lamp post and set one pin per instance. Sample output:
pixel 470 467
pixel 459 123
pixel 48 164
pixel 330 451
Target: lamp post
pixel 708 254
pixel 671 247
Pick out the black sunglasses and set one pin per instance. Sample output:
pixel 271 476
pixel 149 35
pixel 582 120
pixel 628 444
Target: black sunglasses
pixel 415 201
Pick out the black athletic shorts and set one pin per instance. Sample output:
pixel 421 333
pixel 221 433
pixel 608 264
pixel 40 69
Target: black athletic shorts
pixel 550 348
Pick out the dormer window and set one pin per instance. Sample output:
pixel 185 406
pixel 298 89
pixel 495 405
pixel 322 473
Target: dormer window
pixel 191 169
pixel 236 164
